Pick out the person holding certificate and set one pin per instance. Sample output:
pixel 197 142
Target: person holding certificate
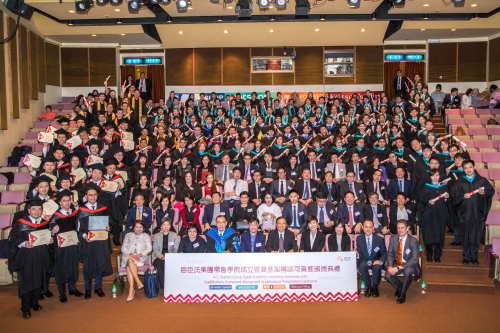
pixel 63 227
pixel 29 256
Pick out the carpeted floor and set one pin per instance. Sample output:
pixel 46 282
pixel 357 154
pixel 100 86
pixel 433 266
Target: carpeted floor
pixel 432 312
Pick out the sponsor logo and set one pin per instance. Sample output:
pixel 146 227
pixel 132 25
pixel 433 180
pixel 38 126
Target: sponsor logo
pixel 300 286
pixel 274 286
pixel 216 287
pixel 339 258
pixel 247 287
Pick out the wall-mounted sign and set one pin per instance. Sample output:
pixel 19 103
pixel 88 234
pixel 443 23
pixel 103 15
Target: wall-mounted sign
pixel 142 61
pixel 404 57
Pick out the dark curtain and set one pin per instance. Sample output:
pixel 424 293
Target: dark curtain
pixel 156 73
pixel 126 70
pixel 412 67
pixel 390 69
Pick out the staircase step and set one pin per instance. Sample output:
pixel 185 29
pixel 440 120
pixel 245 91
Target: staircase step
pixel 459 283
pixel 450 269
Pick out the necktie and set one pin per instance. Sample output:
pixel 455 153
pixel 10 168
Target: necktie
pixel 235 185
pixel 356 172
pixel 350 218
pixel 321 216
pixel 306 191
pixel 376 187
pixel 400 252
pixel 281 248
pixel 138 217
pixel 295 216
pixel 400 186
pixel 268 166
pixel 226 173
pixel 399 83
pixel 93 207
pixel 247 172
pixel 369 245
pixel 375 217
pixel 257 190
pixel 335 171
pixel 313 170
pixel 330 192
pixel 282 189
pixel 350 188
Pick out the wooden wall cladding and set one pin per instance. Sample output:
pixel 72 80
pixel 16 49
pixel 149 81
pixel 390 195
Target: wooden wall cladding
pixel 52 71
pixel 369 64
pixel 472 61
pixel 207 66
pixel 394 47
pixel 309 65
pixel 41 64
pixel 283 78
pixel 14 65
pixel 339 80
pixel 179 67
pixel 415 47
pixel 236 66
pixel 75 67
pixel 25 77
pixel 265 79
pixel 102 62
pixel 3 89
pixel 442 62
pixel 262 51
pixel 494 64
pixel 34 65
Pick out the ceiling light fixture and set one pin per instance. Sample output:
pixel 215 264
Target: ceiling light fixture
pixel 94 35
pixel 84 5
pixel 271 18
pixel 119 21
pixel 71 11
pixel 374 16
pixel 316 29
pixel 70 22
pixel 263 4
pixel 180 32
pixel 474 5
pixel 117 10
pixel 182 5
pixel 102 2
pixel 280 4
pixel 453 29
pixel 354 3
pixel 116 2
pixel 362 29
pixel 219 19
pixel 271 30
pixel 165 2
pixel 123 34
pixel 476 16
pixel 426 5
pixel 225 31
pixel 322 18
pixel 169 19
pixel 422 29
pixel 399 3
pixel 426 17
pixel 458 3
pixel 133 6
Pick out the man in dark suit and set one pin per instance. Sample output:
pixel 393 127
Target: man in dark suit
pixel 372 253
pixel 359 168
pixel 453 100
pixel 377 213
pixel 306 187
pixel 402 258
pixel 139 212
pixel 400 184
pixel 281 239
pixel 349 185
pixel 393 164
pixel 295 214
pixel 280 188
pixel 378 186
pixel 268 168
pixel 253 240
pixel 144 86
pixel 330 188
pixel 247 168
pixel 257 189
pixel 217 206
pixel 268 100
pixel 400 83
pixel 317 168
pixel 351 213
pixel 324 212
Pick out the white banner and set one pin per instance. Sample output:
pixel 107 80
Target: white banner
pixel 260 277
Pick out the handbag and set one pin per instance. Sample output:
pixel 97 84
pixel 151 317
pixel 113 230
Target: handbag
pixel 119 283
pixel 268 223
pixel 151 285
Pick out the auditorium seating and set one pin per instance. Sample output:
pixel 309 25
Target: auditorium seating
pixel 495 253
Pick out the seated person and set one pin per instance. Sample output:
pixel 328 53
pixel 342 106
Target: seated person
pixel 372 253
pixel 377 213
pixel 139 212
pixel 324 210
pixel 214 209
pixel 351 212
pixel 233 187
pixel 339 240
pixel 193 242
pixel 402 209
pixel 189 214
pixel 312 240
pixel 135 249
pixel 48 114
pixel 295 213
pixel 268 209
pixel 281 239
pixel 165 241
pixel 253 240
pixel 165 210
pixel 245 211
pixel 222 239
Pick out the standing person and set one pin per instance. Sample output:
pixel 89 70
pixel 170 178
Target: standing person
pixel 95 255
pixel 402 257
pixel 400 83
pixel 438 97
pixel 30 262
pixel 473 209
pixel 434 216
pixel 144 86
pixel 66 265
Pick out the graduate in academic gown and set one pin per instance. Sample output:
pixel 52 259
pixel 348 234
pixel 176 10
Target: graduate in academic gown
pixel 222 239
pixel 31 263
pixel 473 209
pixel 66 265
pixel 95 255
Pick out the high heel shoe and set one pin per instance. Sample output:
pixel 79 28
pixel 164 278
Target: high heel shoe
pixel 141 287
pixel 130 299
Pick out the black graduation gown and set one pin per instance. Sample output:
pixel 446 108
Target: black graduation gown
pixel 66 264
pixel 472 212
pixel 95 255
pixel 32 265
pixel 434 217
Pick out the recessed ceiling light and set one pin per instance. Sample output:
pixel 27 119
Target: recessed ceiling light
pixel 180 32
pixel 229 7
pixel 474 5
pixel 426 5
pixel 123 34
pixel 94 35
pixel 117 10
pixel 271 30
pixel 316 30
pixel 422 29
pixel 453 29
pixel 271 7
pixel 362 29
pixel 71 11
pixel 437 11
pixel 225 31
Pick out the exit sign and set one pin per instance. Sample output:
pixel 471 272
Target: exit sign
pixel 142 61
pixel 404 57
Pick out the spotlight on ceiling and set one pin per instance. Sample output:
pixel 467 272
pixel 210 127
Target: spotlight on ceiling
pixel 182 5
pixel 280 4
pixel 459 3
pixel 153 2
pixel 399 3
pixel 84 5
pixel 228 1
pixel 115 2
pixel 133 5
pixel 70 22
pixel 302 8
pixel 119 21
pixel 102 2
pixel 244 9
pixel 354 3
pixel 214 1
pixel 263 4
pixel 165 2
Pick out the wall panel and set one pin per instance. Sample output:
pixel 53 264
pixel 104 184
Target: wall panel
pixel 442 62
pixel 3 89
pixel 369 64
pixel 41 64
pixel 179 67
pixel 472 61
pixel 102 63
pixel 415 46
pixel 25 78
pixel 207 66
pixel 75 67
pixel 283 78
pixel 34 65
pixel 309 65
pixel 339 80
pixel 52 70
pixel 494 64
pixel 14 66
pixel 236 66
pixel 261 78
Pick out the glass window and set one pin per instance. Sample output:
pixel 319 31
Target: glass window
pixel 339 63
pixel 272 64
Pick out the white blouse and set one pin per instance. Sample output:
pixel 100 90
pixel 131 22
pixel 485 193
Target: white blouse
pixel 136 244
pixel 274 209
pixel 402 214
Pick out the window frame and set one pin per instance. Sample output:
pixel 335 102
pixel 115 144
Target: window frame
pixel 353 51
pixel 271 58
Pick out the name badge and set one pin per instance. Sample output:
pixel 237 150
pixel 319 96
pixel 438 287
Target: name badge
pixel 249 210
pixel 376 249
pixel 223 213
pixel 258 245
pixel 313 190
pixel 252 171
pixel 194 210
pixel 360 191
pixel 191 188
pixel 262 188
pixel 331 212
pixel 170 243
pixel 168 172
pixel 195 245
pixel 293 173
pixel 341 169
pixel 379 215
pixel 408 211
pixel 144 214
pixel 318 170
pixel 140 172
pixel 289 187
pixel 230 171
pixel 361 171
pixel 382 188
pixel 274 170
pixel 356 214
pixel 407 251
pixel 301 213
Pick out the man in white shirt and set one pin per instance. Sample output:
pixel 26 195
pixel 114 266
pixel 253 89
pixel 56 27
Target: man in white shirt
pixel 336 168
pixel 233 188
pixel 224 172
pixel 144 86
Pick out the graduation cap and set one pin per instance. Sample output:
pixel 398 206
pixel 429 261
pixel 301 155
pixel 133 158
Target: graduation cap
pixel 61 131
pixel 42 179
pixel 110 161
pixel 34 203
pixel 111 152
pixel 49 158
pixel 80 117
pixel 64 193
pixel 64 120
pixel 98 166
pixel 83 129
pixel 124 120
pixel 90 186
pixel 59 147
pixel 94 142
pixel 111 123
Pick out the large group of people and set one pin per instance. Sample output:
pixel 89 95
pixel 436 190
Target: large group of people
pixel 262 171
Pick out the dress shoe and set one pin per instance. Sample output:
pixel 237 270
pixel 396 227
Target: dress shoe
pixel 437 259
pixel 26 314
pixel 87 294
pixel 76 293
pixel 465 262
pixel 41 298
pixel 141 287
pixel 375 292
pixel 429 259
pixel 475 262
pixel 117 243
pixel 401 298
pixel 36 307
pixel 99 292
pixel 368 292
pixel 450 232
pixel 455 244
pixel 49 294
pixel 398 293
pixel 62 298
pixel 131 298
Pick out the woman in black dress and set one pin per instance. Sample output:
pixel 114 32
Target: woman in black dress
pixel 166 170
pixel 164 210
pixel 140 168
pixel 165 190
pixel 188 186
pixel 143 189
